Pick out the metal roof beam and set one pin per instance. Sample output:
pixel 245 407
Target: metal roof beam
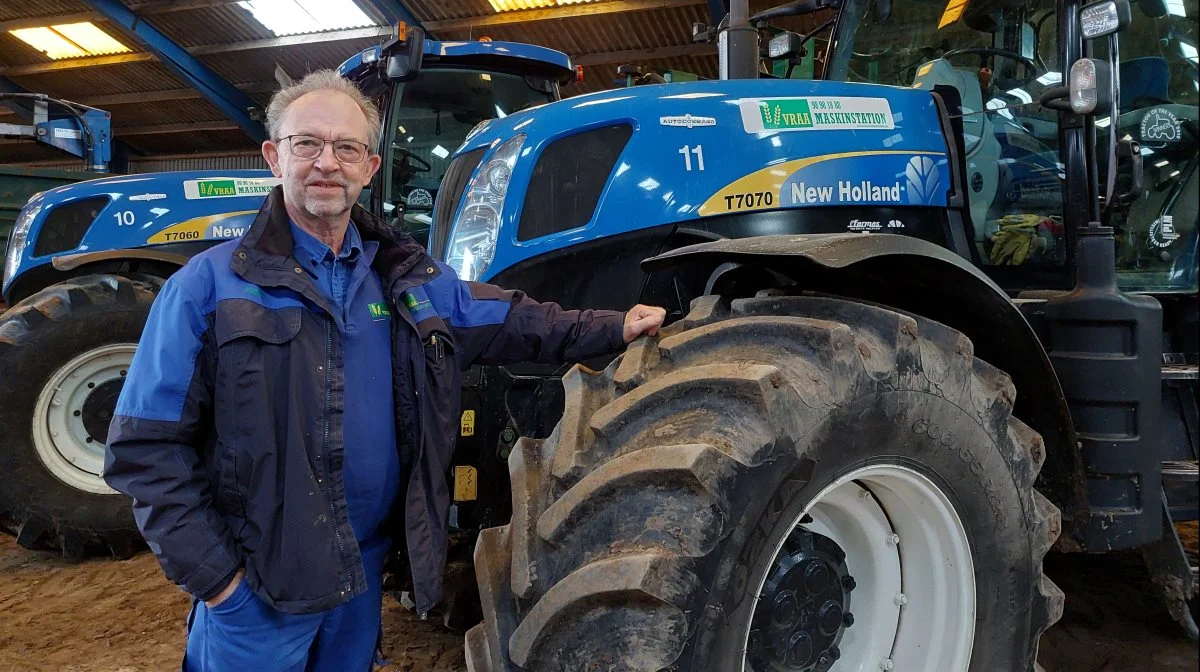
pixel 204 50
pixel 233 103
pixel 638 55
pixel 166 95
pixel 169 6
pixel 145 9
pixel 566 11
pixel 73 63
pixel 164 129
pixel 392 12
pixel 293 40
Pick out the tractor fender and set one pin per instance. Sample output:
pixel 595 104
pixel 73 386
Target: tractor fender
pixel 922 278
pixel 70 262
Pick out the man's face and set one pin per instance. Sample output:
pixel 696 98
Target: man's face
pixel 322 187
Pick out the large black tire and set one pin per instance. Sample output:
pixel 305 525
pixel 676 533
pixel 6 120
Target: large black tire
pixel 639 524
pixel 38 336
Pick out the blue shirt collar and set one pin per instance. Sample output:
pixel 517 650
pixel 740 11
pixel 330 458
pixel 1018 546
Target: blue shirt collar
pixel 308 250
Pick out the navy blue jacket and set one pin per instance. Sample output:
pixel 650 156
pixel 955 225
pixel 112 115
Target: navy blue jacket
pixel 228 432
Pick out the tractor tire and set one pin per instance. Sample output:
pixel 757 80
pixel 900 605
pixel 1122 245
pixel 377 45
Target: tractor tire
pixel 63 354
pixel 775 483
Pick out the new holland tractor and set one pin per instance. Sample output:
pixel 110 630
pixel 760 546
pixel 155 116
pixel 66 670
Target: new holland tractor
pixel 85 261
pixel 930 318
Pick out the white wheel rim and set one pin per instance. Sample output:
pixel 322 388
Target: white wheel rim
pixel 59 434
pixel 914 600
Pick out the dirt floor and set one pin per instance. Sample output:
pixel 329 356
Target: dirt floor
pixel 123 616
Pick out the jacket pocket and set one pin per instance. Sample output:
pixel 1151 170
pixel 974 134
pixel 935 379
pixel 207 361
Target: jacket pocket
pixel 254 355
pixel 239 318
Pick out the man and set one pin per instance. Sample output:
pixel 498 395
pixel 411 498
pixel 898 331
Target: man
pixel 266 441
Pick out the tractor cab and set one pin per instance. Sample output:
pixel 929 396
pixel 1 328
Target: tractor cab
pixel 432 98
pixel 1004 62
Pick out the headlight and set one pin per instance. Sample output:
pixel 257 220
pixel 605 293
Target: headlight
pixel 18 239
pixel 473 239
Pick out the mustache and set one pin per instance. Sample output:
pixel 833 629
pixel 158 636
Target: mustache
pixel 326 181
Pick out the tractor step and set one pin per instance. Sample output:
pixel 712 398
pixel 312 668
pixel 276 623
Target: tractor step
pixel 1180 372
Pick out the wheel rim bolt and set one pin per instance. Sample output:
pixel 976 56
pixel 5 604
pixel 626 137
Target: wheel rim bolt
pixel 864 496
pixel 892 539
pixel 849 583
pixel 887 664
pixel 901 599
pixel 848 619
pixel 835 653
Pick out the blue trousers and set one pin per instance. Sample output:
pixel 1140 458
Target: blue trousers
pixel 243 633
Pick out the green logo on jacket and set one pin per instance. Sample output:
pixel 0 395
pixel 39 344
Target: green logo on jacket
pixel 379 311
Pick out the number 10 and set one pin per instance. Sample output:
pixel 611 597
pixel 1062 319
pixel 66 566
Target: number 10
pixel 687 152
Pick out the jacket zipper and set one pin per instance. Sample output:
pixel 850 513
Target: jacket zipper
pixel 325 451
pixel 419 439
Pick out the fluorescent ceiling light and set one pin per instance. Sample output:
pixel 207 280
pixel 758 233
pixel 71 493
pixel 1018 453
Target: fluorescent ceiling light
pixel 514 5
pixel 70 40
pixel 293 17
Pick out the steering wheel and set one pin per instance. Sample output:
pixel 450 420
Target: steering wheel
pixel 1031 65
pixel 409 162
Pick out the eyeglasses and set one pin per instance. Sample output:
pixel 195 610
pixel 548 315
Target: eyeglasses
pixel 310 147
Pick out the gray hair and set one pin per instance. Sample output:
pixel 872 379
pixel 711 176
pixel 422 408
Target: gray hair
pixel 324 80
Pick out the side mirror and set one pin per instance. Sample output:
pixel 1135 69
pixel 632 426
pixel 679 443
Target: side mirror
pixel 1101 19
pixel 404 55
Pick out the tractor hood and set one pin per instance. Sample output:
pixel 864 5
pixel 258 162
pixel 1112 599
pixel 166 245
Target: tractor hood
pixel 134 211
pixel 652 155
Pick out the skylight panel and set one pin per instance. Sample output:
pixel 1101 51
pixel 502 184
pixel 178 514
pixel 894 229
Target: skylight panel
pixel 295 17
pixel 517 5
pixel 70 40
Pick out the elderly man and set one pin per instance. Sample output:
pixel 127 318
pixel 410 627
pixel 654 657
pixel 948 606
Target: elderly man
pixel 296 395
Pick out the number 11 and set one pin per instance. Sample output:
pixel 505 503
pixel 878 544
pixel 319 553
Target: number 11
pixel 687 152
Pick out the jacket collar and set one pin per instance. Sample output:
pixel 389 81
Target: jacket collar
pixel 265 254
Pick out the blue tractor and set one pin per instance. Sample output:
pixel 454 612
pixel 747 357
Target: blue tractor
pixel 930 318
pixel 86 260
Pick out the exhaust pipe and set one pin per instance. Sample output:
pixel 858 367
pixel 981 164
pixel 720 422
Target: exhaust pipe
pixel 737 44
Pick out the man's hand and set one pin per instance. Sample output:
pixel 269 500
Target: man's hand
pixel 643 320
pixel 224 594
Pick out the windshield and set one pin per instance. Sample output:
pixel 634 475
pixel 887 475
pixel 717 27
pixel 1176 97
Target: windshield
pixel 998 56
pixel 429 119
pixel 1157 227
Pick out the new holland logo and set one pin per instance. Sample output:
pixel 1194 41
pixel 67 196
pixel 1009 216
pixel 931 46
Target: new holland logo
pixel 687 121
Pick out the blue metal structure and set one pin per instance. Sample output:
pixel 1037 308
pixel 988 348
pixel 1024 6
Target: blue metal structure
pixel 83 131
pixel 232 102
